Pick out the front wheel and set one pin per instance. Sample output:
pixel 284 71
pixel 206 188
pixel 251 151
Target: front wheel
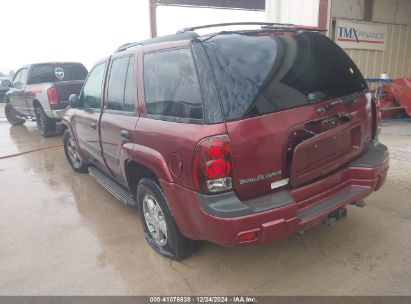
pixel 46 125
pixel 11 115
pixel 160 228
pixel 73 156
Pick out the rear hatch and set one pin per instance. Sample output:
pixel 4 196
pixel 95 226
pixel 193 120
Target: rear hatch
pixel 296 108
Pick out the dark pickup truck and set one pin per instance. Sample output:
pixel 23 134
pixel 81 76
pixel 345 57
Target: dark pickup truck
pixel 41 91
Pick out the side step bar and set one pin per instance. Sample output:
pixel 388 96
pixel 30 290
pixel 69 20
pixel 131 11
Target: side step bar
pixel 115 189
pixel 347 196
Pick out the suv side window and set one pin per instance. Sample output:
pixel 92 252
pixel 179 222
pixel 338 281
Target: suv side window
pixel 91 95
pixel 130 89
pixel 121 86
pixel 23 79
pixel 171 86
pixel 16 80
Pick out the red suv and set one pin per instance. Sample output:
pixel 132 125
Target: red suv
pixel 236 137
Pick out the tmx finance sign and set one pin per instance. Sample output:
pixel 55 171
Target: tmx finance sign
pixel 356 35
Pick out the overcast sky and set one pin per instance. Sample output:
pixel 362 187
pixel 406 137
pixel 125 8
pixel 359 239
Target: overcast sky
pixel 87 30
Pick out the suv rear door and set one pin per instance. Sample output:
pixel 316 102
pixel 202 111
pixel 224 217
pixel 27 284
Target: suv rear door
pixel 119 116
pixel 275 92
pixel 87 117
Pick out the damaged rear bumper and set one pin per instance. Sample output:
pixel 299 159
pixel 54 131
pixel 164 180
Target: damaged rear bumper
pixel 224 218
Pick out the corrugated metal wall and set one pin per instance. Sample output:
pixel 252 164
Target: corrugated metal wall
pixel 395 60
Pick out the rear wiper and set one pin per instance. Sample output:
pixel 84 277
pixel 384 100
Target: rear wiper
pixel 316 97
pixel 345 100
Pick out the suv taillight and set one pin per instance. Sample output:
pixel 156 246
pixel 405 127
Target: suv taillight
pixel 53 96
pixel 212 165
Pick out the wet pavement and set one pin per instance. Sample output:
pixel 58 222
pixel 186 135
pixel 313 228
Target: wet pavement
pixel 63 234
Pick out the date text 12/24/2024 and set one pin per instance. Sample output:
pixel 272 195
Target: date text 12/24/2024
pixel 203 299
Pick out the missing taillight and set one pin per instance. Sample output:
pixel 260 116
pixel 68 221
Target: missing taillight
pixel 212 165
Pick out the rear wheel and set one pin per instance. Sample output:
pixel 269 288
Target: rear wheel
pixel 73 156
pixel 11 115
pixel 160 228
pixel 46 125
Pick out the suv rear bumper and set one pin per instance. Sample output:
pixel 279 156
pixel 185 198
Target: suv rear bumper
pixel 223 218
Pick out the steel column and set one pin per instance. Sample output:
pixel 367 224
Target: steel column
pixel 228 4
pixel 153 17
pixel 323 14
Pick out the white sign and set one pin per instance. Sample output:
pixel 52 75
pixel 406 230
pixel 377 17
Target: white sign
pixel 355 35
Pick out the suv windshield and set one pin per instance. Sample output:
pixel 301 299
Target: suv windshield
pixel 264 74
pixel 56 72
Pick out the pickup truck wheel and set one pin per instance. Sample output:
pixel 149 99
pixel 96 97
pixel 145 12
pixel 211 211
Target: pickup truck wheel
pixel 46 125
pixel 160 228
pixel 72 155
pixel 11 115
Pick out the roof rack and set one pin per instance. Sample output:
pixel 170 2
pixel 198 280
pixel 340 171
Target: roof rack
pixel 189 34
pixel 265 24
pixel 127 46
pixel 167 38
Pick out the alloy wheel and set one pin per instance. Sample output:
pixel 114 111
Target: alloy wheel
pixel 73 154
pixel 155 220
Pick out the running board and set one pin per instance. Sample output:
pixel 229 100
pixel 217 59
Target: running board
pixel 115 189
pixel 346 196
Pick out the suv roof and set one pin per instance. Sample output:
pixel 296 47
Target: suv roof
pixel 190 34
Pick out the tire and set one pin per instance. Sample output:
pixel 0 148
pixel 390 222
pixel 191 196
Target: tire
pixel 46 125
pixel 154 212
pixel 73 156
pixel 11 115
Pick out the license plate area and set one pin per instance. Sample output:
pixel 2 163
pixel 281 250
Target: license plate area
pixel 325 152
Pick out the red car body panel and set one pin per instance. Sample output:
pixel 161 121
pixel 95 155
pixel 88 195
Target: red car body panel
pixel 179 144
pixel 268 136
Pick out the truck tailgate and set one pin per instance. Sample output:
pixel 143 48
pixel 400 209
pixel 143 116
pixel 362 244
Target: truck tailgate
pixel 65 89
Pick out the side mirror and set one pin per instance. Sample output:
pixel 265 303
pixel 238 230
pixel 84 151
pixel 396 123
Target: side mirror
pixel 6 83
pixel 74 101
pixel 5 86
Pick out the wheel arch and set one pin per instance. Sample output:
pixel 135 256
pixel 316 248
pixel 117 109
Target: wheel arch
pixel 36 103
pixel 135 171
pixel 66 126
pixel 135 158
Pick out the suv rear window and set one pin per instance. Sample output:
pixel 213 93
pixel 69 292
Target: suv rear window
pixel 260 75
pixel 57 72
